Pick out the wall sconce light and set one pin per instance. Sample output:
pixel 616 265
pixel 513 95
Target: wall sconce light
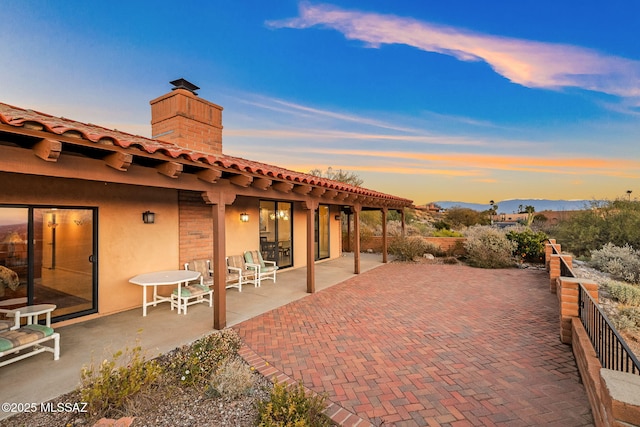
pixel 148 217
pixel 337 217
pixel 244 217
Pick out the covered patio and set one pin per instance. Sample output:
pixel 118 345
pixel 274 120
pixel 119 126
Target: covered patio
pixel 39 378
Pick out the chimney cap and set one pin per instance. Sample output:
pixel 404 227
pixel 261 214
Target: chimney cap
pixel 184 84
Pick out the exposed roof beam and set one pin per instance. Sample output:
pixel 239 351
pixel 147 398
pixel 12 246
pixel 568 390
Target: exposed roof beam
pixel 317 191
pixel 302 189
pixel 118 161
pixel 261 183
pixel 241 180
pixel 209 175
pixel 283 187
pixel 170 169
pixel 48 149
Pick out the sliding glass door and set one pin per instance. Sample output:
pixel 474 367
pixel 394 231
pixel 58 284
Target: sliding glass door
pixel 276 232
pixel 52 251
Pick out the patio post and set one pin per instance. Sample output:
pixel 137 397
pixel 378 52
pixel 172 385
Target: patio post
pixel 310 206
pixel 384 234
pixel 402 222
pixel 356 238
pixel 219 200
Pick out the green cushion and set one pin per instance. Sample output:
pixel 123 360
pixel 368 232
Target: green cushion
pixel 22 336
pixel 192 290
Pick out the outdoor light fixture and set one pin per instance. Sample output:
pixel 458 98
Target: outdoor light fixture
pixel 337 217
pixel 148 217
pixel 244 217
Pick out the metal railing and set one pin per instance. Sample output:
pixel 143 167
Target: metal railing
pixel 611 349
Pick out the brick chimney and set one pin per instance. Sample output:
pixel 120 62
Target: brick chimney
pixel 182 118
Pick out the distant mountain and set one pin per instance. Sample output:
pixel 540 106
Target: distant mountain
pixel 512 205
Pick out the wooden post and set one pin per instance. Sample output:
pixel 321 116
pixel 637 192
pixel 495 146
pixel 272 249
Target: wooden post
pixel 384 235
pixel 311 206
pixel 219 200
pixel 356 238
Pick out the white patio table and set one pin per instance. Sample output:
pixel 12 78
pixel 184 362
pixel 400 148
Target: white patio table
pixel 159 278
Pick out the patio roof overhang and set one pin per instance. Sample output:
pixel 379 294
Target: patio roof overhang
pixel 77 150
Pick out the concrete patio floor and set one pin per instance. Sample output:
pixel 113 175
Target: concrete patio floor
pixel 38 379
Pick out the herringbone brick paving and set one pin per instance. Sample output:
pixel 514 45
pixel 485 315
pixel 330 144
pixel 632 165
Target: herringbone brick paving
pixel 427 345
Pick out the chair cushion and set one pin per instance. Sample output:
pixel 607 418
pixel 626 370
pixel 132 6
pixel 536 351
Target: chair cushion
pixel 236 261
pixel 192 290
pixel 22 336
pixel 5 325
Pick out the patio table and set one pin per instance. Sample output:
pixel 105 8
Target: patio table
pixel 159 278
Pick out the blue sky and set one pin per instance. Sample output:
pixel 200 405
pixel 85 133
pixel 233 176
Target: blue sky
pixel 458 100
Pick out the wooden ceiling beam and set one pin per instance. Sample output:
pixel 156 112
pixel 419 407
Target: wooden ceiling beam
pixel 48 149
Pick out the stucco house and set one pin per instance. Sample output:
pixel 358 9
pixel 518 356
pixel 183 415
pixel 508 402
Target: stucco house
pixel 73 195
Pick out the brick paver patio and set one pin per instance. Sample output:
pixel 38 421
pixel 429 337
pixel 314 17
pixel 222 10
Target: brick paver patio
pixel 420 344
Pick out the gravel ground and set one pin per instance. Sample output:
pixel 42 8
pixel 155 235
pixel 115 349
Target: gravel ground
pixel 166 406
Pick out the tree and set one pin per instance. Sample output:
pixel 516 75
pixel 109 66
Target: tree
pixel 340 175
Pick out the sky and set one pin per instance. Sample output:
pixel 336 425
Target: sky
pixel 461 100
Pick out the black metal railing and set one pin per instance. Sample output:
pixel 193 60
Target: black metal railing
pixel 613 352
pixel 565 270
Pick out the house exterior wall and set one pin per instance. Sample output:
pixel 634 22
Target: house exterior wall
pixel 126 246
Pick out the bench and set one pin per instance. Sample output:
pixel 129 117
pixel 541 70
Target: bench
pixel 16 339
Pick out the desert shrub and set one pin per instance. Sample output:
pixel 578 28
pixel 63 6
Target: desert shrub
pixel 194 364
pixel 627 319
pixel 108 386
pixel 232 380
pixel 408 248
pixel 622 262
pixel 488 247
pixel 446 233
pixel 530 244
pixel 616 222
pixel 292 406
pixel 625 293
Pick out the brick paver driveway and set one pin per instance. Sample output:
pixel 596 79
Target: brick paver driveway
pixel 420 344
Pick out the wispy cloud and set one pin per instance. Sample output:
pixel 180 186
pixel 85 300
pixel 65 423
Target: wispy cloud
pixel 488 162
pixel 525 62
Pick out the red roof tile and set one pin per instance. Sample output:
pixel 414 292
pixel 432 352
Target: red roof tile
pixel 19 117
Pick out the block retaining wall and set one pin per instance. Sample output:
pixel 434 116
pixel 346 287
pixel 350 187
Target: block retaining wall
pixel 612 394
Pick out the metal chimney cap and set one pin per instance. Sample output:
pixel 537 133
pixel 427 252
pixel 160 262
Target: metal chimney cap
pixel 184 84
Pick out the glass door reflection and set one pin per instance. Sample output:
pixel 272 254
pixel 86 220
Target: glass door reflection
pixel 276 236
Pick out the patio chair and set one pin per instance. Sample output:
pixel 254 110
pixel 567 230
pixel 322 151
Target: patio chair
pixel 240 271
pixel 265 270
pixel 197 291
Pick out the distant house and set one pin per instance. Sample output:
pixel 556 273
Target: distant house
pixel 73 196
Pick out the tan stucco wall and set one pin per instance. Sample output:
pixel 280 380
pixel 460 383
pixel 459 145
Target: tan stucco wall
pixel 242 236
pixel 126 246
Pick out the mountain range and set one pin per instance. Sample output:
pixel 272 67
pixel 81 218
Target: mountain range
pixel 512 205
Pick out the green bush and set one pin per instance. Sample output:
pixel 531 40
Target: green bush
pixel 446 233
pixel 625 293
pixel 488 247
pixel 622 262
pixel 616 222
pixel 531 244
pixel 408 248
pixel 195 364
pixel 108 386
pixel 292 406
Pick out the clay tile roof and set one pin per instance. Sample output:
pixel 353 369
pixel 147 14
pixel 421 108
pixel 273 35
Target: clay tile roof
pixel 19 117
